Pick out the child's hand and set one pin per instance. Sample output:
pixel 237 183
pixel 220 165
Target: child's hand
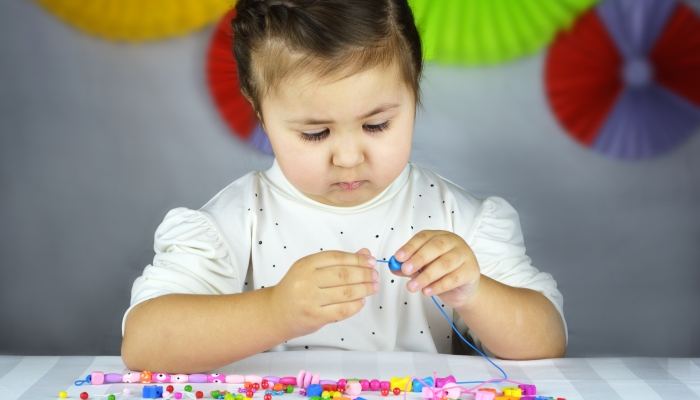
pixel 447 266
pixel 325 287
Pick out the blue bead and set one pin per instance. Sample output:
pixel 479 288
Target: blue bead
pixel 418 387
pixel 314 390
pixel 152 392
pixel 394 265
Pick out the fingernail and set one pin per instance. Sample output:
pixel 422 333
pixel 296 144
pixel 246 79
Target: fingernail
pixel 413 285
pixel 372 261
pixel 375 274
pixel 408 267
pixel 363 301
pixel 400 255
pixel 427 291
pixel 376 287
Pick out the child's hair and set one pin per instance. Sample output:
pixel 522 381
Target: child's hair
pixel 274 38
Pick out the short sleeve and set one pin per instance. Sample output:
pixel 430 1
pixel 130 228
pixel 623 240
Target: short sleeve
pixel 191 258
pixel 497 242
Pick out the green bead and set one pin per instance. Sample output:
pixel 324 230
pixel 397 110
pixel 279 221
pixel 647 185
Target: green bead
pixel 239 396
pixel 215 394
pixel 111 397
pixel 228 396
pixel 290 388
pixel 315 398
pixel 188 388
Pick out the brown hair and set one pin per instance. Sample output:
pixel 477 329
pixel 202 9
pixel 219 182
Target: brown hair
pixel 273 38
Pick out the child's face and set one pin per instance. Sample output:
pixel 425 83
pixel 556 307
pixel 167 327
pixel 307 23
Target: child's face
pixel 341 143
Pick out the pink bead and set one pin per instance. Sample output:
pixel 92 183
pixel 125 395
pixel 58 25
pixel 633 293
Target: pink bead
pixel 482 395
pixel 253 378
pixel 288 380
pixel 132 377
pixel 300 378
pixel 235 379
pixel 97 378
pixel 375 385
pixel 178 395
pixel 307 380
pixel 216 378
pixel 272 379
pixel 451 390
pixel 316 379
pixel 365 385
pixel 440 382
pixel 166 394
pixel 342 383
pixel 161 377
pixel 385 385
pixel 427 393
pixel 353 389
pixel 180 378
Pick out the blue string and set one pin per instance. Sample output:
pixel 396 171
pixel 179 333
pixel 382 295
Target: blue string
pixel 505 376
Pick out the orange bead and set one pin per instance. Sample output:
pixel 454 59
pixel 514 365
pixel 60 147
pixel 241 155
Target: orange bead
pixel 146 377
pixel 247 385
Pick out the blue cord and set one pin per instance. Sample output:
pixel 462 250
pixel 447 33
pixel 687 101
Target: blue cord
pixel 395 266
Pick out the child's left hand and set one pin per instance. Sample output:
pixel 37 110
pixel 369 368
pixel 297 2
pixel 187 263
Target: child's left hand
pixel 446 263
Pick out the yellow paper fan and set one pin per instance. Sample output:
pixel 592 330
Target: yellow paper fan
pixel 137 20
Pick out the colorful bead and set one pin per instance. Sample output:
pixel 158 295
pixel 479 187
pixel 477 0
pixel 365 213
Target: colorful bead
pixel 113 378
pixel 453 391
pixel 198 378
pixel 353 389
pixel 484 395
pixel 178 395
pixel 375 385
pixel 239 396
pixel 161 378
pixel 84 395
pixel 335 395
pixel 512 391
pixel 268 396
pixel 249 394
pixel 278 386
pixel 170 388
pixel 385 392
pixel 385 385
pixel 215 394
pixel 290 389
pixel 264 384
pixel 145 377
pixel 342 383
pixel 97 378
pixel 111 397
pixel 228 396
pixel 256 386
pixel 528 390
pixel 272 379
pixel 253 378
pixel 314 390
pixel 62 395
pixel 418 386
pixel 216 378
pixel 325 395
pixel 288 380
pixel 397 391
pixel 401 383
pixel 131 377
pixel 441 382
pixel 329 387
pixel 199 394
pixel 365 385
pixel 235 379
pixel 180 378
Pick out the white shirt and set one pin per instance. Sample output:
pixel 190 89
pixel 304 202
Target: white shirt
pixel 251 232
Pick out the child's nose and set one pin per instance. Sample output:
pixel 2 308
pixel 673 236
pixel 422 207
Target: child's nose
pixel 348 152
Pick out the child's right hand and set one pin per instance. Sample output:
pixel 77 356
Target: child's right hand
pixel 321 288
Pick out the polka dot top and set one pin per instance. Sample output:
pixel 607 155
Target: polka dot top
pixel 251 232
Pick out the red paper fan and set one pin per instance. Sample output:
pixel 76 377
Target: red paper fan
pixel 625 80
pixel 222 78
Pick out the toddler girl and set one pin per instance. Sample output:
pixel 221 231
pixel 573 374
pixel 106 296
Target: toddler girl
pixel 285 259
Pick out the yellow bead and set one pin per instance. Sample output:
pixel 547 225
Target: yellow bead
pixel 325 394
pixel 401 383
pixel 63 395
pixel 336 395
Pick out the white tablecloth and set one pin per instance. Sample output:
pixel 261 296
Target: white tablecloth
pixel 570 378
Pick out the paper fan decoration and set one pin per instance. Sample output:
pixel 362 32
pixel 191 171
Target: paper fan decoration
pixel 137 20
pixel 626 80
pixel 490 31
pixel 222 78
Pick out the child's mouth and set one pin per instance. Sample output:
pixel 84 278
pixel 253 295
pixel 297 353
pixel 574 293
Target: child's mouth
pixel 350 185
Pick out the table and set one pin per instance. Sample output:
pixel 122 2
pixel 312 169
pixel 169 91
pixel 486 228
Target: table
pixel 570 378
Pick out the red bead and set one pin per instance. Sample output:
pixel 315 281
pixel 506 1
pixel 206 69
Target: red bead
pixel 341 390
pixel 256 386
pixel 265 384
pixel 268 396
pixel 249 394
pixel 397 391
pixel 170 388
pixel 385 392
pixel 84 395
pixel 199 394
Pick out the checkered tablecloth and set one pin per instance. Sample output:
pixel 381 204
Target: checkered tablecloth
pixel 570 378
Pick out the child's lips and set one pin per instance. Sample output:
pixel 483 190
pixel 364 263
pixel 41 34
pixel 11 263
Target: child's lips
pixel 350 185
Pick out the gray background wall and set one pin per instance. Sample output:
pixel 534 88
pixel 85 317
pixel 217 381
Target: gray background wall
pixel 99 140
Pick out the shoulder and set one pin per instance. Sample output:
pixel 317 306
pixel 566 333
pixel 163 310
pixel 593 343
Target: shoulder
pixel 448 190
pixel 236 197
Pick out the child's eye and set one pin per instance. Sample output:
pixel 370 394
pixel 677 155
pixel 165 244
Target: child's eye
pixel 310 137
pixel 377 128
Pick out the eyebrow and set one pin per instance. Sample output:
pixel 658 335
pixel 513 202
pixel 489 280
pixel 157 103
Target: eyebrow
pixel 311 121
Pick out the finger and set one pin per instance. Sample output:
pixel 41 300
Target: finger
pixel 438 243
pixel 344 294
pixel 415 243
pixel 339 276
pixel 452 280
pixel 341 311
pixel 436 270
pixel 364 252
pixel 331 258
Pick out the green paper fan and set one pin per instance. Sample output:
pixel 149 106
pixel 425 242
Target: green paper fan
pixel 490 31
